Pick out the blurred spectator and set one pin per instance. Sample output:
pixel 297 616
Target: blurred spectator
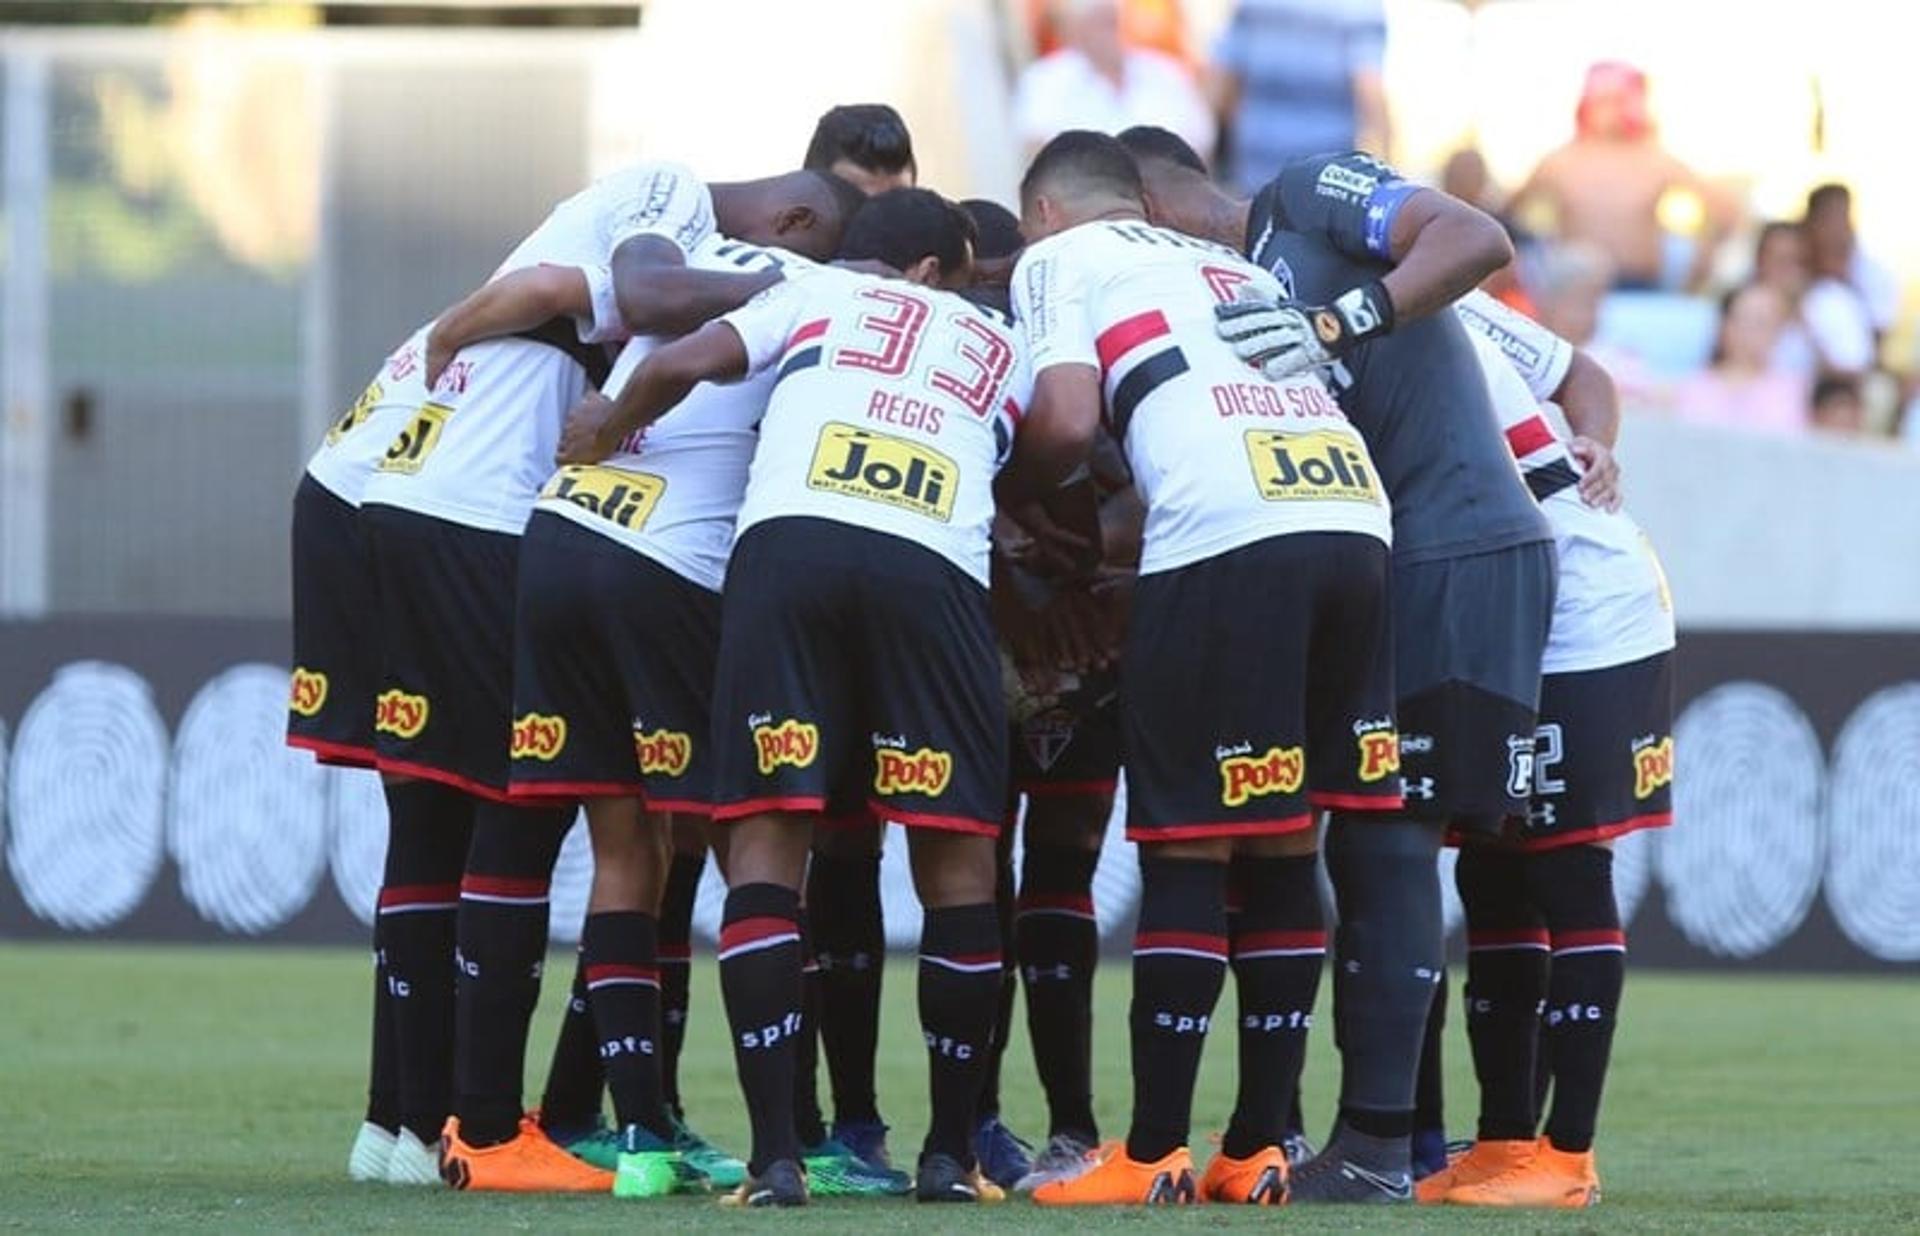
pixel 1606 185
pixel 1299 77
pixel 1567 283
pixel 1829 224
pixel 1156 25
pixel 1466 177
pixel 1838 313
pixel 1742 388
pixel 1838 406
pixel 1095 81
pixel 1780 262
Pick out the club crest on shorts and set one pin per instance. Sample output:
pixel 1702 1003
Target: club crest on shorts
pixel 661 753
pixel 1652 765
pixel 792 744
pixel 309 691
pixel 1520 765
pixel 1245 775
pixel 538 736
pixel 401 714
pixel 1048 735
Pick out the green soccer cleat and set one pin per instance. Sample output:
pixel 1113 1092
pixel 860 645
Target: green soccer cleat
pixel 715 1168
pixel 649 1166
pixel 599 1147
pixel 833 1170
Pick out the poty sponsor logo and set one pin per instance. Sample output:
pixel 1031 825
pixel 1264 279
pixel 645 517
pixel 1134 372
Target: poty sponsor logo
pixel 664 753
pixel 538 736
pixel 1379 754
pixel 399 713
pixel 309 692
pixel 1652 765
pixel 792 743
pixel 925 771
pixel 1244 777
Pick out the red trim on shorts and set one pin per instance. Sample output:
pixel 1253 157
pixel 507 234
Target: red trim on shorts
pixel 1529 436
pixel 1127 334
pixel 752 930
pixel 1341 801
pixel 808 330
pixel 760 806
pixel 1599 832
pixel 426 772
pixel 923 819
pixel 1195 941
pixel 681 806
pixel 1261 941
pixel 1069 789
pixel 1146 835
pixel 1517 937
pixel 399 895
pixel 614 972
pixel 567 791
pixel 1599 937
pixel 339 754
pixel 502 886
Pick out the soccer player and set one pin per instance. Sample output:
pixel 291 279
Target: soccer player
pixel 856 642
pixel 865 144
pixel 443 513
pixel 1257 681
pixel 1546 956
pixel 1364 260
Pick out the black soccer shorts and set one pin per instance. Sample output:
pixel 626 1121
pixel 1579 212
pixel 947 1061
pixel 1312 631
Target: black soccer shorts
pixel 1603 757
pixel 336 631
pixel 1071 749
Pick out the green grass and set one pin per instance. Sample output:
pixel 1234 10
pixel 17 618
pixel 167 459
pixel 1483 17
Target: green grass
pixel 160 1087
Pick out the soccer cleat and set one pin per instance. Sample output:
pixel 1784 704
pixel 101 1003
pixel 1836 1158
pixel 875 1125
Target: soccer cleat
pixel 1297 1148
pixel 1552 1178
pixel 413 1162
pixel 527 1163
pixel 1429 1150
pixel 1354 1169
pixel 649 1166
pixel 866 1138
pixel 1482 1162
pixel 372 1147
pixel 834 1170
pixel 781 1184
pixel 720 1170
pixel 598 1146
pixel 1062 1158
pixel 1004 1158
pixel 1260 1179
pixel 942 1179
pixel 1117 1180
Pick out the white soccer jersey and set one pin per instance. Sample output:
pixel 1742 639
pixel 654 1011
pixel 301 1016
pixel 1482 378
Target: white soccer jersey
pixel 893 407
pixel 479 449
pixel 356 442
pixel 1612 607
pixel 673 493
pixel 1222 456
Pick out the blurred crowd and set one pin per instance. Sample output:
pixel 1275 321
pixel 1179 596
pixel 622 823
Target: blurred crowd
pixel 1701 311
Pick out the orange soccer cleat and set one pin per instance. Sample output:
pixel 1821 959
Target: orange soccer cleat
pixel 1485 1160
pixel 1260 1179
pixel 1552 1178
pixel 529 1163
pixel 1117 1180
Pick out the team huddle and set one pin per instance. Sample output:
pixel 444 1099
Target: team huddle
pixel 751 516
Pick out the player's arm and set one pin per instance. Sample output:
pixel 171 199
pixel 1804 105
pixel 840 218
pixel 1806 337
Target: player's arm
pixel 516 301
pixel 658 294
pixel 597 425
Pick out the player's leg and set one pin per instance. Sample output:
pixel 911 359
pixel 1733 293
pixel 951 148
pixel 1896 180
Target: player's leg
pixel 1004 1157
pixel 843 900
pixel 570 1102
pixel 676 950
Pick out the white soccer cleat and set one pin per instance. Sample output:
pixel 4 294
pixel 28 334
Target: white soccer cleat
pixel 413 1161
pixel 372 1148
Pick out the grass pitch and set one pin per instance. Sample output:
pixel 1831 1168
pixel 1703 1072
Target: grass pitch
pixel 163 1088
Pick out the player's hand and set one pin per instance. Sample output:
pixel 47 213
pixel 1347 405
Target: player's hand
pixel 1600 474
pixel 590 434
pixel 1286 338
pixel 1078 632
pixel 1049 548
pixel 440 353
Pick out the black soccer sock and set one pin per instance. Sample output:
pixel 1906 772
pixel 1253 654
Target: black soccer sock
pixel 1058 944
pixel 843 903
pixel 760 982
pixel 1506 981
pixel 1179 965
pixel 1429 1087
pixel 429 826
pixel 676 968
pixel 1279 946
pixel 623 986
pixel 502 947
pixel 960 964
pixel 575 1079
pixel 383 1067
pixel 988 1105
pixel 1574 889
pixel 808 1123
pixel 1387 960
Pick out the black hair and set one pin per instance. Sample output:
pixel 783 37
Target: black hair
pixel 847 197
pixel 1146 141
pixel 901 226
pixel 1833 193
pixel 1834 386
pixel 1087 159
pixel 996 229
pixel 870 136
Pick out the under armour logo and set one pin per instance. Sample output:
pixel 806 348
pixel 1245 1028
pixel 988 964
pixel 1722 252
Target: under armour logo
pixel 1417 787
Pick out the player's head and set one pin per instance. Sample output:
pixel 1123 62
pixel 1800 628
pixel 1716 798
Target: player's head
pixel 996 250
pixel 866 144
pixel 805 212
pixel 1179 194
pixel 928 239
pixel 1079 176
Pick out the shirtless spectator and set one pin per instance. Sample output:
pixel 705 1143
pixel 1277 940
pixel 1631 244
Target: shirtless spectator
pixel 1605 186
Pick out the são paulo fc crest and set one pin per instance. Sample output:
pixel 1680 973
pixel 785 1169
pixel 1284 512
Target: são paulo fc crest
pixel 1047 735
